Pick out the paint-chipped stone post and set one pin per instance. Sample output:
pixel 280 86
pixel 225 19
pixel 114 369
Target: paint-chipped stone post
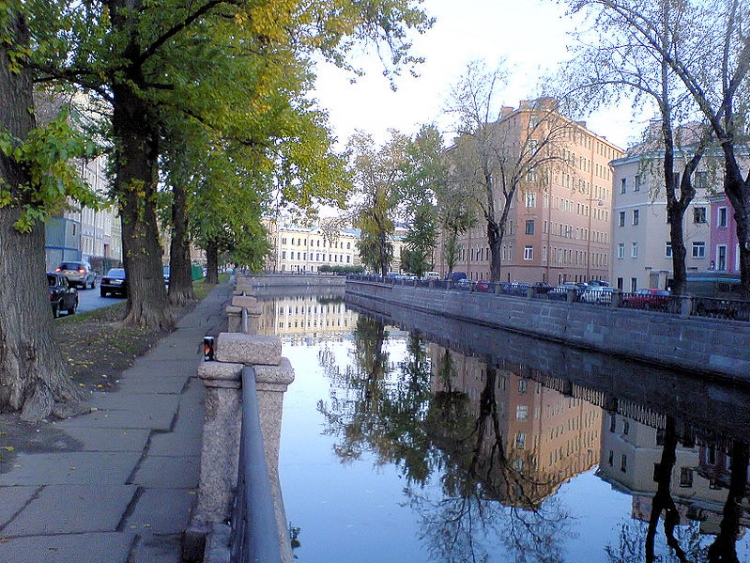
pixel 221 435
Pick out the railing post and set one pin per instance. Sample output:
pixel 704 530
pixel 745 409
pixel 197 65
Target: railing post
pixel 222 427
pixel 219 453
pixel 686 305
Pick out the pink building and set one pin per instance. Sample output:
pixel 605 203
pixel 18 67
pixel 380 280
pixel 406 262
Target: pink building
pixel 725 256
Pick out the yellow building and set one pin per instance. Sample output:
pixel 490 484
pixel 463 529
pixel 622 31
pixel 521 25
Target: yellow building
pixel 297 248
pixel 560 222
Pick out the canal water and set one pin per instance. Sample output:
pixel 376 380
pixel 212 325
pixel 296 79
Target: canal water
pixel 415 439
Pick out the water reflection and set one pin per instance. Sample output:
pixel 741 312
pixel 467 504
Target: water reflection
pixel 500 437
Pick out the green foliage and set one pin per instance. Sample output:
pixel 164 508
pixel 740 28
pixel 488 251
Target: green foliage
pixel 46 157
pixel 328 269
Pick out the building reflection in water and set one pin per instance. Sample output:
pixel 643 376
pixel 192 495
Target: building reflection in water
pixel 502 437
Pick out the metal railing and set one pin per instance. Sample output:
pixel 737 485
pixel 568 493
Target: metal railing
pixel 255 529
pixel 731 309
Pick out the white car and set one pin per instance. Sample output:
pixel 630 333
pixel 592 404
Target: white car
pixel 598 294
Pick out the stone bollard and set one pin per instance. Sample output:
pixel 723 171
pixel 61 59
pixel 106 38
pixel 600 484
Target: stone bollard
pixel 222 428
pixel 686 305
pixel 235 314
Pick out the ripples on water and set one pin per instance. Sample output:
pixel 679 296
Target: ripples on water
pixel 441 441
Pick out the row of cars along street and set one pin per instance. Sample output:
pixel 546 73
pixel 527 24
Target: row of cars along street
pixel 68 276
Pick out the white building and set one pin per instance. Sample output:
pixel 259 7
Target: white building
pixel 642 251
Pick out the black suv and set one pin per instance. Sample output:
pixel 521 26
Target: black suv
pixel 62 296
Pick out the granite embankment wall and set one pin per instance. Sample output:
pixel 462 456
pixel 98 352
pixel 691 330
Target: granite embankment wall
pixel 291 280
pixel 711 346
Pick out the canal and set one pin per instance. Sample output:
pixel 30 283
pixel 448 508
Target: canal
pixel 416 439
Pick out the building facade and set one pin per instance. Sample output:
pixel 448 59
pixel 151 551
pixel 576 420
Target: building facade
pixel 559 226
pixel 640 233
pixel 82 233
pixel 297 249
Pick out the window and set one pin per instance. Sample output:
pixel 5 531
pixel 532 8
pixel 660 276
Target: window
pixel 528 253
pixel 283 254
pixel 634 250
pixel 623 185
pixel 624 463
pixel 636 216
pixel 621 250
pixel 530 200
pixel 291 255
pixel 522 386
pixel 531 175
pixel 611 458
pixel 686 477
pixel 701 180
pixel 699 215
pixel 521 441
pixel 638 182
pixel 622 218
pixel 626 427
pixel 613 423
pixel 668 250
pixel 721 257
pixel 699 249
pixel 722 218
pixel 522 412
pixel 530 227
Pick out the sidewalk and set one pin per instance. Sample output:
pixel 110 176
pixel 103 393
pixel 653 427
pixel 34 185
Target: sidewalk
pixel 117 485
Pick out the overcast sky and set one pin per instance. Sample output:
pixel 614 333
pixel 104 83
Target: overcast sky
pixel 530 34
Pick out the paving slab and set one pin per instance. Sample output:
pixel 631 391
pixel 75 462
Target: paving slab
pixel 13 500
pixel 162 511
pixel 157 549
pixel 138 386
pixel 130 418
pixel 147 402
pixel 72 510
pixel 156 368
pixel 71 468
pixel 108 439
pixel 176 472
pixel 74 548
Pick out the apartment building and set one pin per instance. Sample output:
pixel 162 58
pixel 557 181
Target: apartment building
pixel 640 232
pixel 83 233
pixel 559 226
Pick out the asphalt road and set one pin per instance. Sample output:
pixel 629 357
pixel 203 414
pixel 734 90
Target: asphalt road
pixel 89 299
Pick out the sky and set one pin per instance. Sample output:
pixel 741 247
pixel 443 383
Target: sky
pixel 530 34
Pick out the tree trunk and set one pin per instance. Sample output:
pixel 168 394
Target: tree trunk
pixel 135 186
pixel 135 162
pixel 212 262
pixel 180 269
pixel 737 190
pixel 33 375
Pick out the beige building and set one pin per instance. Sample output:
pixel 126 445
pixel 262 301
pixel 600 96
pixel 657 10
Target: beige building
pixel 559 227
pixel 547 437
pixel 296 248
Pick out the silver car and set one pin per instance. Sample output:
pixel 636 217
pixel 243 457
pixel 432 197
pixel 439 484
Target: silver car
pixel 79 273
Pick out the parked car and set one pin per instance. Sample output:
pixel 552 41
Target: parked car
pixel 598 294
pixel 78 273
pixel 541 287
pixel 62 296
pixel 598 283
pixel 561 291
pixel 114 283
pixel 484 285
pixel 458 276
pixel 648 298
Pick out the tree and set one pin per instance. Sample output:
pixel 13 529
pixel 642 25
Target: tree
pixel 496 155
pixel 424 177
pixel 456 216
pixel 378 173
pixel 622 63
pixel 713 63
pixel 35 180
pixel 140 56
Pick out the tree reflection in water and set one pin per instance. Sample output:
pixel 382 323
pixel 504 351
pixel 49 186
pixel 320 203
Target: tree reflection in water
pixel 494 496
pixel 487 499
